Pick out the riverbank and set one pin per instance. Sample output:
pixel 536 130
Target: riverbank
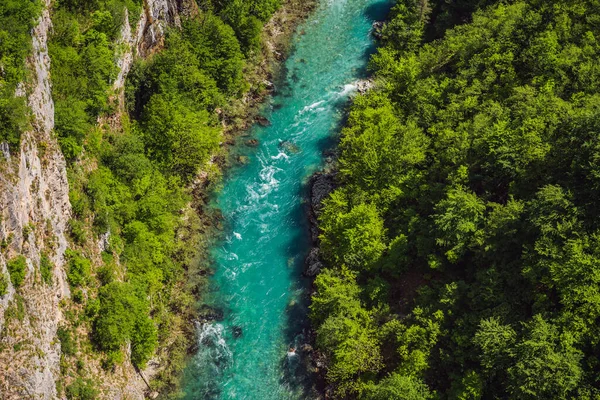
pixel 320 186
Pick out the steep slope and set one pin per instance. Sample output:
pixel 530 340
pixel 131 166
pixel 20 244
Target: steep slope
pixel 35 213
pixel 34 195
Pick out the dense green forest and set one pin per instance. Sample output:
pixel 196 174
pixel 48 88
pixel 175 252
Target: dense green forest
pixel 463 242
pixel 130 180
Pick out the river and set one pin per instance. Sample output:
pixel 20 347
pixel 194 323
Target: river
pixel 258 264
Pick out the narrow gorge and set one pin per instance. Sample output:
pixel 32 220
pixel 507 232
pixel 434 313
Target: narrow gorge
pixel 256 199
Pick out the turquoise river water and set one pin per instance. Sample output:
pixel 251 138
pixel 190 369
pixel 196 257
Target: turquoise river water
pixel 257 282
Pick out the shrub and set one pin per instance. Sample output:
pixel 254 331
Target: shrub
pixel 79 270
pixel 3 285
pixel 67 345
pixel 17 268
pixel 46 268
pixel 82 390
pixel 77 231
pixel 78 296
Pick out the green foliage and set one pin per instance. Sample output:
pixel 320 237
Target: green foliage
pixel 3 285
pixel 173 95
pixel 83 52
pixel 496 343
pixel 246 18
pixel 469 188
pixel 79 269
pixel 68 346
pixel 336 291
pixel 177 137
pixel 17 269
pixel 123 318
pixel 214 45
pixel 547 365
pixel 353 236
pixel 346 333
pixel 17 18
pixel 46 269
pixel 399 387
pixel 390 144
pixel 459 218
pixel 82 389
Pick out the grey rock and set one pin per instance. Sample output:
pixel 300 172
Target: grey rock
pixel 313 264
pixel 5 149
pixel 321 186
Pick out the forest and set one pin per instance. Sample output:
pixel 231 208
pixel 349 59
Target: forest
pixel 462 243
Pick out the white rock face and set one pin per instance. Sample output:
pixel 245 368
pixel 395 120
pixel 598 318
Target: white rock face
pixel 147 37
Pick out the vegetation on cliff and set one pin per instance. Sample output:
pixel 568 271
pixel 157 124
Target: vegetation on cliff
pixel 17 18
pixel 462 244
pixel 129 180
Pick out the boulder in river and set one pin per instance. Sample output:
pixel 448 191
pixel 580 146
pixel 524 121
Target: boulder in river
pixel 378 29
pixel 321 185
pixel 290 147
pixel 209 314
pixel 237 331
pixel 363 86
pixel 313 264
pixel 262 121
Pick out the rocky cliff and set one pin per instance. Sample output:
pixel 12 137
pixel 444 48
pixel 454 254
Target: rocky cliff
pixel 34 217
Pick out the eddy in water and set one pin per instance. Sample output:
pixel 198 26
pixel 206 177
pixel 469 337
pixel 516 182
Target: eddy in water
pixel 258 272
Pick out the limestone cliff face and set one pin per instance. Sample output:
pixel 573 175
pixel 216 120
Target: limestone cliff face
pixel 34 217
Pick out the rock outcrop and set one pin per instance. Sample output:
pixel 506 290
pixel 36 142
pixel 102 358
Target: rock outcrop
pixel 321 185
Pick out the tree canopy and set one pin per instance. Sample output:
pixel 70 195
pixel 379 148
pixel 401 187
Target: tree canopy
pixel 467 208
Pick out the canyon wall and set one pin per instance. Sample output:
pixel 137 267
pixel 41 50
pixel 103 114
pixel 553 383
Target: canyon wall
pixel 34 219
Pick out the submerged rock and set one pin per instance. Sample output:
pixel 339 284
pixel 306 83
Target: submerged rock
pixel 243 160
pixel 289 147
pixel 262 121
pixel 237 332
pixel 252 143
pixel 307 348
pixel 209 314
